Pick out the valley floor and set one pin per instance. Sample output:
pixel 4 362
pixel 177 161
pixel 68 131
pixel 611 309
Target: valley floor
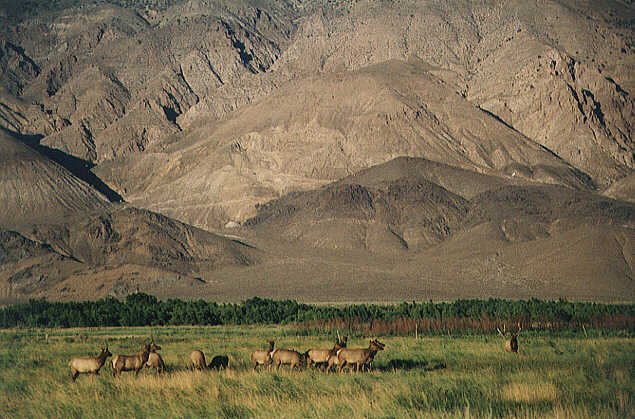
pixel 553 376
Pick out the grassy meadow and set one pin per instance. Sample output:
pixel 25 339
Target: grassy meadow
pixel 442 376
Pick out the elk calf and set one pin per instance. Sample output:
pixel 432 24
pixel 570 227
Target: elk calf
pixel 197 360
pixel 88 364
pixel 130 362
pixel 359 357
pixel 260 357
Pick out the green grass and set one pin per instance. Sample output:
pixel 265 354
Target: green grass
pixel 468 376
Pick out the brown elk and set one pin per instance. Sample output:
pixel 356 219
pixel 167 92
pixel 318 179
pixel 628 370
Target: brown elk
pixel 197 360
pixel 511 344
pixel 287 356
pixel 260 357
pixel 88 364
pixel 368 362
pixel 154 359
pixel 359 357
pixel 322 356
pixel 130 362
pixel 219 362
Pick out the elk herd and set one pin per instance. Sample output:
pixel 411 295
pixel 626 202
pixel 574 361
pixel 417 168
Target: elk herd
pixel 338 357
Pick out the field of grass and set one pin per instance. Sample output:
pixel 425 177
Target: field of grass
pixel 467 376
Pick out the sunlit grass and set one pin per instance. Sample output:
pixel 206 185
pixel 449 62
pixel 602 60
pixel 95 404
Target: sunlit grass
pixel 428 377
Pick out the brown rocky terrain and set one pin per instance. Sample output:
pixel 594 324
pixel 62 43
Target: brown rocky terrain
pixel 324 150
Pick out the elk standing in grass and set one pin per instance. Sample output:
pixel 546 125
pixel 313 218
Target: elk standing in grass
pixel 322 356
pixel 88 364
pixel 154 359
pixel 197 360
pixel 368 362
pixel 130 362
pixel 286 356
pixel 511 344
pixel 333 358
pixel 260 357
pixel 359 357
pixel 219 362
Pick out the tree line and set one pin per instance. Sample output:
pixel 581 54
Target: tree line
pixel 141 309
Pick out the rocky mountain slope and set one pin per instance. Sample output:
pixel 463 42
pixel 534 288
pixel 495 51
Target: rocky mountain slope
pixel 60 237
pixel 311 131
pixel 112 251
pixel 486 144
pixel 34 188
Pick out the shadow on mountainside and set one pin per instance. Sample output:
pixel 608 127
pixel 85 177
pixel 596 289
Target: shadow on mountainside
pixel 80 168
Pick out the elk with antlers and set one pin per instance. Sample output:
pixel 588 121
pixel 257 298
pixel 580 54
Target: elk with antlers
pixel 511 344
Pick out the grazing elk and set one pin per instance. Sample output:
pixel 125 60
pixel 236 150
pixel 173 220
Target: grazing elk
pixel 286 356
pixel 219 362
pixel 88 364
pixel 359 357
pixel 197 360
pixel 154 359
pixel 322 356
pixel 130 362
pixel 511 344
pixel 260 357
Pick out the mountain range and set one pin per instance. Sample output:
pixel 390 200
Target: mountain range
pixel 324 151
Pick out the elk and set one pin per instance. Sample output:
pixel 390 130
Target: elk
pixel 260 357
pixel 88 364
pixel 219 362
pixel 130 362
pixel 359 357
pixel 511 344
pixel 368 362
pixel 154 359
pixel 286 356
pixel 322 356
pixel 197 360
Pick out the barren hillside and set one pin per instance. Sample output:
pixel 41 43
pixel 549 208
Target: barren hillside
pixel 34 188
pixel 322 150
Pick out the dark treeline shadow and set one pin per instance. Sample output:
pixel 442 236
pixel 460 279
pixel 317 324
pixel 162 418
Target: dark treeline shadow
pixel 411 364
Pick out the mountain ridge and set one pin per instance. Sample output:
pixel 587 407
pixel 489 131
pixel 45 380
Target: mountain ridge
pixel 325 151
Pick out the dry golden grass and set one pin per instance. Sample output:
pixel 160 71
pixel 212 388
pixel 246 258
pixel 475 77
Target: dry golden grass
pixel 529 392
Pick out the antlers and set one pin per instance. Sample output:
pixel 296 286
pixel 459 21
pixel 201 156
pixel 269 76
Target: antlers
pixel 504 332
